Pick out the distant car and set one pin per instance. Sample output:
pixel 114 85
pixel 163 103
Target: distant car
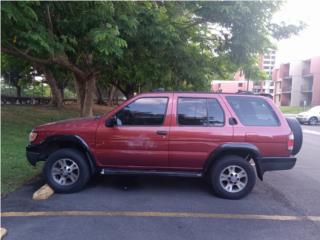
pixel 312 116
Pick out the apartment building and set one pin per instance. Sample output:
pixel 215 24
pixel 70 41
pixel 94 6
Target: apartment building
pixel 297 83
pixel 267 61
pixel 265 86
pixel 231 86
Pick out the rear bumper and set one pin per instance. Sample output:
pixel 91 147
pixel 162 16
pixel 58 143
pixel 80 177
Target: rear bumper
pixel 33 153
pixel 275 163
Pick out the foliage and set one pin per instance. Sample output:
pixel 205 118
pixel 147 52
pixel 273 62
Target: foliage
pixel 138 46
pixel 15 71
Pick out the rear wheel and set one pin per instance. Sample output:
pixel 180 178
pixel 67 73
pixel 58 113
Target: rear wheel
pixel 66 170
pixel 232 177
pixel 313 121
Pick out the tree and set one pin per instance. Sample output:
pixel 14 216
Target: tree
pixel 140 45
pixel 79 37
pixel 14 71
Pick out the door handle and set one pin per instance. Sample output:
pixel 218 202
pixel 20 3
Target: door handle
pixel 162 133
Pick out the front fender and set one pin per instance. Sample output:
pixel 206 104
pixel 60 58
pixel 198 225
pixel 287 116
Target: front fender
pixel 40 152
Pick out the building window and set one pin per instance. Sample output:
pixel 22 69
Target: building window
pixel 240 84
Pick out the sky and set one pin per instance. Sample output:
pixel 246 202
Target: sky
pixel 307 43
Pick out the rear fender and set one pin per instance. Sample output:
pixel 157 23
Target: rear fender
pixel 245 150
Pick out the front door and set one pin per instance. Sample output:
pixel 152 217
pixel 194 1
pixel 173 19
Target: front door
pixel 140 137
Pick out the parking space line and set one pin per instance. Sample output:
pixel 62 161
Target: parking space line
pixel 159 214
pixel 311 132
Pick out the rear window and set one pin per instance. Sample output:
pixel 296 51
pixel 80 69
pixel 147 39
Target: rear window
pixel 253 111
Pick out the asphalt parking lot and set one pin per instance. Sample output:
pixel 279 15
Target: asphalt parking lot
pixel 285 205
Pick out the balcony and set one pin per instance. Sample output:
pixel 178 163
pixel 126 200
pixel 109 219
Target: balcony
pixel 306 89
pixel 286 89
pixel 306 71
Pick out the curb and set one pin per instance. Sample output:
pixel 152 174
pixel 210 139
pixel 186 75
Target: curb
pixel 43 193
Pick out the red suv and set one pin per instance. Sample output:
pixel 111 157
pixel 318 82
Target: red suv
pixel 228 138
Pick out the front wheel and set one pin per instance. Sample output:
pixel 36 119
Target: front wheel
pixel 232 177
pixel 66 171
pixel 313 121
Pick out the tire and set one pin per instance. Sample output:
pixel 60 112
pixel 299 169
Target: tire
pixel 221 167
pixel 297 132
pixel 72 168
pixel 313 121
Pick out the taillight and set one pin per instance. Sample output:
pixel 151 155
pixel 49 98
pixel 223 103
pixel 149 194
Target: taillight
pixel 290 142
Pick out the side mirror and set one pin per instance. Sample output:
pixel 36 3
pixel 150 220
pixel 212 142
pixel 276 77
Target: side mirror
pixel 111 122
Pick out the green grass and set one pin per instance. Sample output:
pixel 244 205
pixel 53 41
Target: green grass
pixel 16 124
pixel 292 110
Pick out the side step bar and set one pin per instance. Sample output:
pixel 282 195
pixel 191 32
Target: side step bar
pixel 114 171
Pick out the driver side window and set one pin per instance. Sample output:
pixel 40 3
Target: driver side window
pixel 143 112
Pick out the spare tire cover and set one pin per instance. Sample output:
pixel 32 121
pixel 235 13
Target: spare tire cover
pixel 297 132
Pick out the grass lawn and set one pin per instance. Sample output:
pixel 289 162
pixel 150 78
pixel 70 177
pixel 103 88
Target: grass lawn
pixel 16 124
pixel 292 110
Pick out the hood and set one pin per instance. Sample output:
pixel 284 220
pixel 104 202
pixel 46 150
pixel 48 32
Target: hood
pixel 303 113
pixel 69 124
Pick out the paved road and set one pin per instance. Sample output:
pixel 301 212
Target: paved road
pixel 174 208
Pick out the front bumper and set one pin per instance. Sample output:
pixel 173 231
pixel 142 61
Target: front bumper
pixel 302 119
pixel 34 154
pixel 274 164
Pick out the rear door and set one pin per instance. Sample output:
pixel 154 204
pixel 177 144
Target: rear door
pixel 199 124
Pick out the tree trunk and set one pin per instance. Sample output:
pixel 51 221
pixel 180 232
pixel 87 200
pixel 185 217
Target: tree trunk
pixel 18 91
pixel 80 90
pixel 88 98
pixel 57 99
pixel 111 95
pixel 85 88
pixel 99 96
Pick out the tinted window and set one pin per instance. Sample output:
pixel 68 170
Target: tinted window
pixel 215 113
pixel 253 111
pixel 144 111
pixel 200 112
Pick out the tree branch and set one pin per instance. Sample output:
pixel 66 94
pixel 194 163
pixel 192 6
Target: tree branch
pixel 18 53
pixel 60 60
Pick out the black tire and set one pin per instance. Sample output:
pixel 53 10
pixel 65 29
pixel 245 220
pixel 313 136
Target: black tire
pixel 218 168
pixel 83 172
pixel 297 132
pixel 313 121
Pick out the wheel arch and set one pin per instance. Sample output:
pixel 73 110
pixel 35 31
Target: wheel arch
pixel 56 142
pixel 245 150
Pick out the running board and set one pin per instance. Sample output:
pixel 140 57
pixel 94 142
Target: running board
pixel 114 171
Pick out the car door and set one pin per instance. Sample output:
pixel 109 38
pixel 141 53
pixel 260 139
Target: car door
pixel 198 126
pixel 140 137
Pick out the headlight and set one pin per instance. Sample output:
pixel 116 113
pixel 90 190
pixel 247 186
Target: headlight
pixel 33 136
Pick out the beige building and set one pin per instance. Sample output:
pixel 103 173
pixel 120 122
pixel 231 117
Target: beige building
pixel 297 83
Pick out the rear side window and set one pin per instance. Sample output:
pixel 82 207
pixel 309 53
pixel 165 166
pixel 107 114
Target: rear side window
pixel 143 111
pixel 253 111
pixel 200 112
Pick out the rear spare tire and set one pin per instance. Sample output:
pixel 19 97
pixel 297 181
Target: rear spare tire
pixel 297 132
